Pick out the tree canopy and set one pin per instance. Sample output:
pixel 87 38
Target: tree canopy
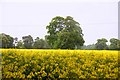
pixel 115 43
pixel 28 41
pixel 40 44
pixel 64 33
pixel 101 44
pixel 6 41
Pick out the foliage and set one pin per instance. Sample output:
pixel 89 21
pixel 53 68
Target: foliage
pixel 40 44
pixel 88 47
pixel 64 40
pixel 54 64
pixel 28 41
pixel 101 44
pixel 6 41
pixel 64 33
pixel 115 43
pixel 15 42
pixel 20 45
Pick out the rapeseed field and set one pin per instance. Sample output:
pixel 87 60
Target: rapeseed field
pixel 59 64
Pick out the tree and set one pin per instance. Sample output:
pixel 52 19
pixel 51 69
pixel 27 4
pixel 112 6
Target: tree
pixel 56 25
pixel 64 33
pixel 6 41
pixel 11 40
pixel 114 43
pixel 101 44
pixel 28 41
pixel 40 44
pixel 118 44
pixel 15 42
pixel 20 44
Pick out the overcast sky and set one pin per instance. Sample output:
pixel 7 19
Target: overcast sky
pixel 97 18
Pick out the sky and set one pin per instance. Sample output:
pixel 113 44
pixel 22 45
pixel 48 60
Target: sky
pixel 98 18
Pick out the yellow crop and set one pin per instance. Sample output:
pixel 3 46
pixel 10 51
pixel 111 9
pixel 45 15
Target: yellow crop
pixel 51 64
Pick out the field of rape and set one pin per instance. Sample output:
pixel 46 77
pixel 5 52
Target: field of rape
pixel 53 64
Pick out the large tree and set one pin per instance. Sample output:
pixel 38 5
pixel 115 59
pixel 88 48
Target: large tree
pixel 6 41
pixel 101 44
pixel 64 33
pixel 28 41
pixel 114 43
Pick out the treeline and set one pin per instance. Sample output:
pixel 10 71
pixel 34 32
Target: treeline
pixel 27 42
pixel 62 33
pixel 102 45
